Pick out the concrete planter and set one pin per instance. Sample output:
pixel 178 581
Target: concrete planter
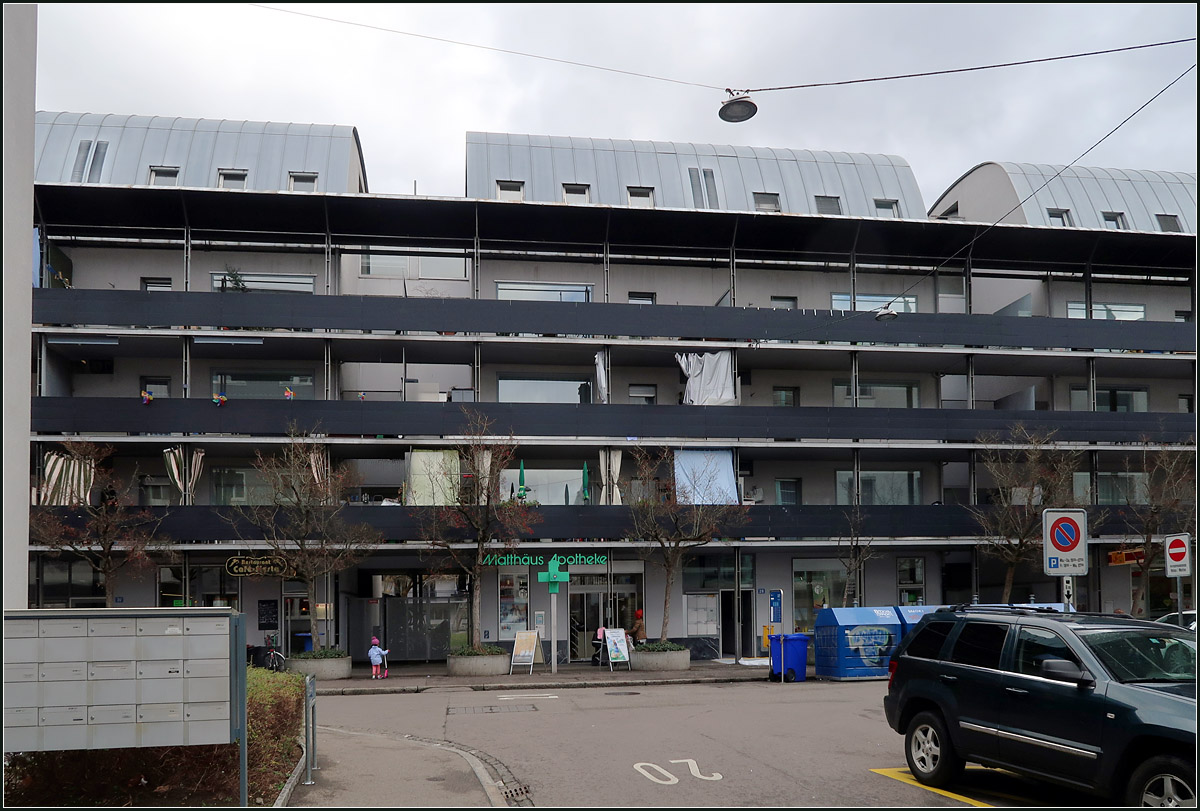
pixel 494 665
pixel 660 660
pixel 322 669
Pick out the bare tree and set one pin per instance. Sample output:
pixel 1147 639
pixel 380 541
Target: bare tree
pixel 302 520
pixel 102 528
pixel 1029 474
pixel 673 515
pixel 853 551
pixel 478 518
pixel 1158 491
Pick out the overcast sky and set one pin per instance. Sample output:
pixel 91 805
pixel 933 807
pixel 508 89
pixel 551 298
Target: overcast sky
pixel 413 99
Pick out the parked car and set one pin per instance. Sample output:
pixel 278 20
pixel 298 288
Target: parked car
pixel 1097 702
pixel 1189 619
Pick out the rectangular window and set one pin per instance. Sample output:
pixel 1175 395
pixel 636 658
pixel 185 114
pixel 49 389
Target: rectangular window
pixel 704 194
pixel 302 181
pixel 576 193
pixel 866 302
pixel 153 493
pixel 1059 217
pixel 510 190
pixel 263 385
pixel 828 205
pixel 1114 220
pixel 881 487
pixel 543 291
pixel 1187 403
pixel 170 587
pixel 514 602
pixel 910 578
pixel 643 393
pixel 225 282
pixel 787 491
pixel 546 486
pixel 158 387
pixel 1183 316
pixel 542 390
pixel 1108 312
pixel 1112 488
pixel 783 302
pixel 877 394
pixel 887 208
pixel 785 396
pixel 230 485
pixel 1168 223
pixel 164 175
pixel 1111 399
pixel 641 298
pixel 766 201
pixel 641 197
pixel 212 587
pixel 156 284
pixel 231 178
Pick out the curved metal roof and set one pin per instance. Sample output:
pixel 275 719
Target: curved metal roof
pixel 120 150
pixel 1087 193
pixel 687 176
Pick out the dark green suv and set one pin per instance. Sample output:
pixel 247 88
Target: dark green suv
pixel 1098 702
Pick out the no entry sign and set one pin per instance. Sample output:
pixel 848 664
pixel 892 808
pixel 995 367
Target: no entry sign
pixel 1179 555
pixel 1064 542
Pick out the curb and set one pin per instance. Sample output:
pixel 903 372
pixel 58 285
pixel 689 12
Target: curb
pixel 285 794
pixel 539 685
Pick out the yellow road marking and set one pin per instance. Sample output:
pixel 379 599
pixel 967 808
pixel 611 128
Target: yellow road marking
pixel 904 776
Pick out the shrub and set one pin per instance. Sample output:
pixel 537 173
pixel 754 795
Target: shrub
pixel 173 775
pixel 482 650
pixel 659 647
pixel 324 653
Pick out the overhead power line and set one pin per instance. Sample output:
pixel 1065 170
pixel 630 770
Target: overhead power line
pixel 636 74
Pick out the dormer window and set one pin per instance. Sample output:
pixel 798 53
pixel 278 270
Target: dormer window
pixel 641 197
pixel 231 178
pixel 302 181
pixel 164 175
pixel 1059 217
pixel 510 190
pixel 1114 220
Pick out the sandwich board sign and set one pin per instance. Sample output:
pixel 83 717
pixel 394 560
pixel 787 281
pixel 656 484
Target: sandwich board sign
pixel 618 647
pixel 1178 555
pixel 1064 542
pixel 527 650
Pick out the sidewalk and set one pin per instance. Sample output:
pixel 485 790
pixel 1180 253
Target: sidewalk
pixel 358 769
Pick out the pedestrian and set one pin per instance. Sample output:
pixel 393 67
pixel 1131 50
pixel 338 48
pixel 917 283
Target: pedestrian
pixel 598 644
pixel 637 633
pixel 376 654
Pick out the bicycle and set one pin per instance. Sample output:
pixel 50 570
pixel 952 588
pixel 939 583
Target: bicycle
pixel 275 660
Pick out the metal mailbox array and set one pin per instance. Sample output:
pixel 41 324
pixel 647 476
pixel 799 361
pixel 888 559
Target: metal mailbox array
pixel 115 678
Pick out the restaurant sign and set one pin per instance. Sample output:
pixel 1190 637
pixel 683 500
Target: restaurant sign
pixel 247 566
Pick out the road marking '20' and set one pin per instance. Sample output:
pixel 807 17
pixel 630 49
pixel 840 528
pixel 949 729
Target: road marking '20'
pixel 668 779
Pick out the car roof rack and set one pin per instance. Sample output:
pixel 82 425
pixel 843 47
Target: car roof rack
pixel 1004 607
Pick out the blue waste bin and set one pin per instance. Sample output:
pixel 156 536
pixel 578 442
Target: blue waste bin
pixel 910 615
pixel 856 643
pixel 789 656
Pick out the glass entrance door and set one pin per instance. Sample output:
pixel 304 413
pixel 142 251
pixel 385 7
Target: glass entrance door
pixel 589 609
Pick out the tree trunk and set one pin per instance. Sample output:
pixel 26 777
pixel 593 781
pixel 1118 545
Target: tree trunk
pixel 669 566
pixel 1137 607
pixel 313 627
pixel 1009 575
pixel 476 619
pixel 110 590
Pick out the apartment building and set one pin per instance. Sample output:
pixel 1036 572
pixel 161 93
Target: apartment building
pixel 792 323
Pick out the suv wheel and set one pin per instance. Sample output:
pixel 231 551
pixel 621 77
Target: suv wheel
pixel 929 751
pixel 1162 781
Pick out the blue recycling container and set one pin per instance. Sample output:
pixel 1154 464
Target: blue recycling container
pixel 789 656
pixel 910 615
pixel 856 643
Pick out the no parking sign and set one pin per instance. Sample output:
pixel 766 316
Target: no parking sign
pixel 1064 542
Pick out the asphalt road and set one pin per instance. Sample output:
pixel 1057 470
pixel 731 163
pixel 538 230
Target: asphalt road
pixel 816 743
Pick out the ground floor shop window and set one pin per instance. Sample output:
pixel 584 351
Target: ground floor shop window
pixel 816 584
pixel 171 587
pixel 598 598
pixel 212 587
pixel 514 602
pixel 715 571
pixel 910 576
pixel 68 584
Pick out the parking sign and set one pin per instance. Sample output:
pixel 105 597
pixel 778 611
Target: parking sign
pixel 1179 555
pixel 1064 542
